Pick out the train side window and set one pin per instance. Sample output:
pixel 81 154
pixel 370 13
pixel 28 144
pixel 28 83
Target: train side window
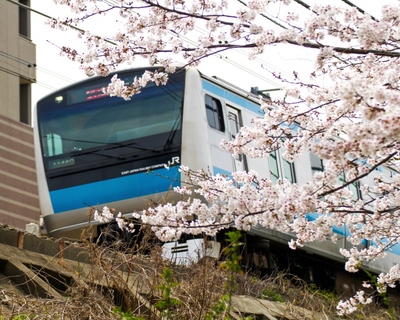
pixel 317 164
pixel 289 172
pixel 273 166
pixel 233 125
pixel 355 190
pixel 353 187
pixel 279 167
pixel 214 113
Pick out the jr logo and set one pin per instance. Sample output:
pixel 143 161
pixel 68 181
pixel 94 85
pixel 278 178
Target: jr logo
pixel 174 160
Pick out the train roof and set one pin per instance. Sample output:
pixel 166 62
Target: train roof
pixel 255 96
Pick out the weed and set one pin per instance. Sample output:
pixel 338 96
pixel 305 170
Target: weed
pixel 232 264
pixel 167 303
pixel 271 295
pixel 126 315
pixel 327 295
pixel 21 317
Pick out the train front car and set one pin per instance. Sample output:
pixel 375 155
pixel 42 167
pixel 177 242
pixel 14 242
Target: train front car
pixel 94 150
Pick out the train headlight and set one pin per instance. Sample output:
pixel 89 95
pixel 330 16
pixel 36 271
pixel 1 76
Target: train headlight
pixel 58 99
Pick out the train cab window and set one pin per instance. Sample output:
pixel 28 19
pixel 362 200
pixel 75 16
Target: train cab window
pixel 214 113
pixel 273 166
pixel 53 145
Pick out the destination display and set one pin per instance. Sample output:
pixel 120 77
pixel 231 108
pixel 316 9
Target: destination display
pixel 88 93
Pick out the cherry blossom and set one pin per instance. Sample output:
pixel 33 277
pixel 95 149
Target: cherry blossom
pixel 349 306
pixel 105 215
pixel 346 111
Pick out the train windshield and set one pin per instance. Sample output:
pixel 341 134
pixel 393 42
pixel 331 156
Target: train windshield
pixel 81 121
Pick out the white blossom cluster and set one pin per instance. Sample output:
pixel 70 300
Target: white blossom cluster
pixel 351 305
pixel 117 87
pixel 105 216
pixel 347 112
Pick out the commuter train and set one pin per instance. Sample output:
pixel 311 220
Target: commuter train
pixel 93 150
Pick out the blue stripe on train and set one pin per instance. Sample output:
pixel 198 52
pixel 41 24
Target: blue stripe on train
pixel 344 231
pixel 228 95
pixel 117 189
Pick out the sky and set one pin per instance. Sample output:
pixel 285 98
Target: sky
pixel 55 72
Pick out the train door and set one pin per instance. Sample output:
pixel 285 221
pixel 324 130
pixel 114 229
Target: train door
pixel 234 125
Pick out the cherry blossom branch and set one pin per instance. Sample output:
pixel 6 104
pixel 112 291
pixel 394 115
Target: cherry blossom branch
pixel 345 184
pixel 345 109
pixel 346 50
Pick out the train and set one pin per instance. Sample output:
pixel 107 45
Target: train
pixel 93 150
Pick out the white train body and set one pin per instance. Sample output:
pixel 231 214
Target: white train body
pixel 212 110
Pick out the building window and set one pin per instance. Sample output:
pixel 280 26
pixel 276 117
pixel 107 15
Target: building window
pixel 25 103
pixel 24 19
pixel 214 113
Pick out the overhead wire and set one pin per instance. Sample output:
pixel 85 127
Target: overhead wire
pixel 18 60
pixel 55 74
pixel 186 39
pixel 349 3
pixel 5 54
pixel 236 64
pixel 47 86
pixel 265 16
pixel 40 13
pixel 38 68
pixel 111 2
pixel 227 60
pixel 305 5
pixel 275 22
pixel 230 61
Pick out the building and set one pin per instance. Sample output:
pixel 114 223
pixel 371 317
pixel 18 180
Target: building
pixel 19 201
